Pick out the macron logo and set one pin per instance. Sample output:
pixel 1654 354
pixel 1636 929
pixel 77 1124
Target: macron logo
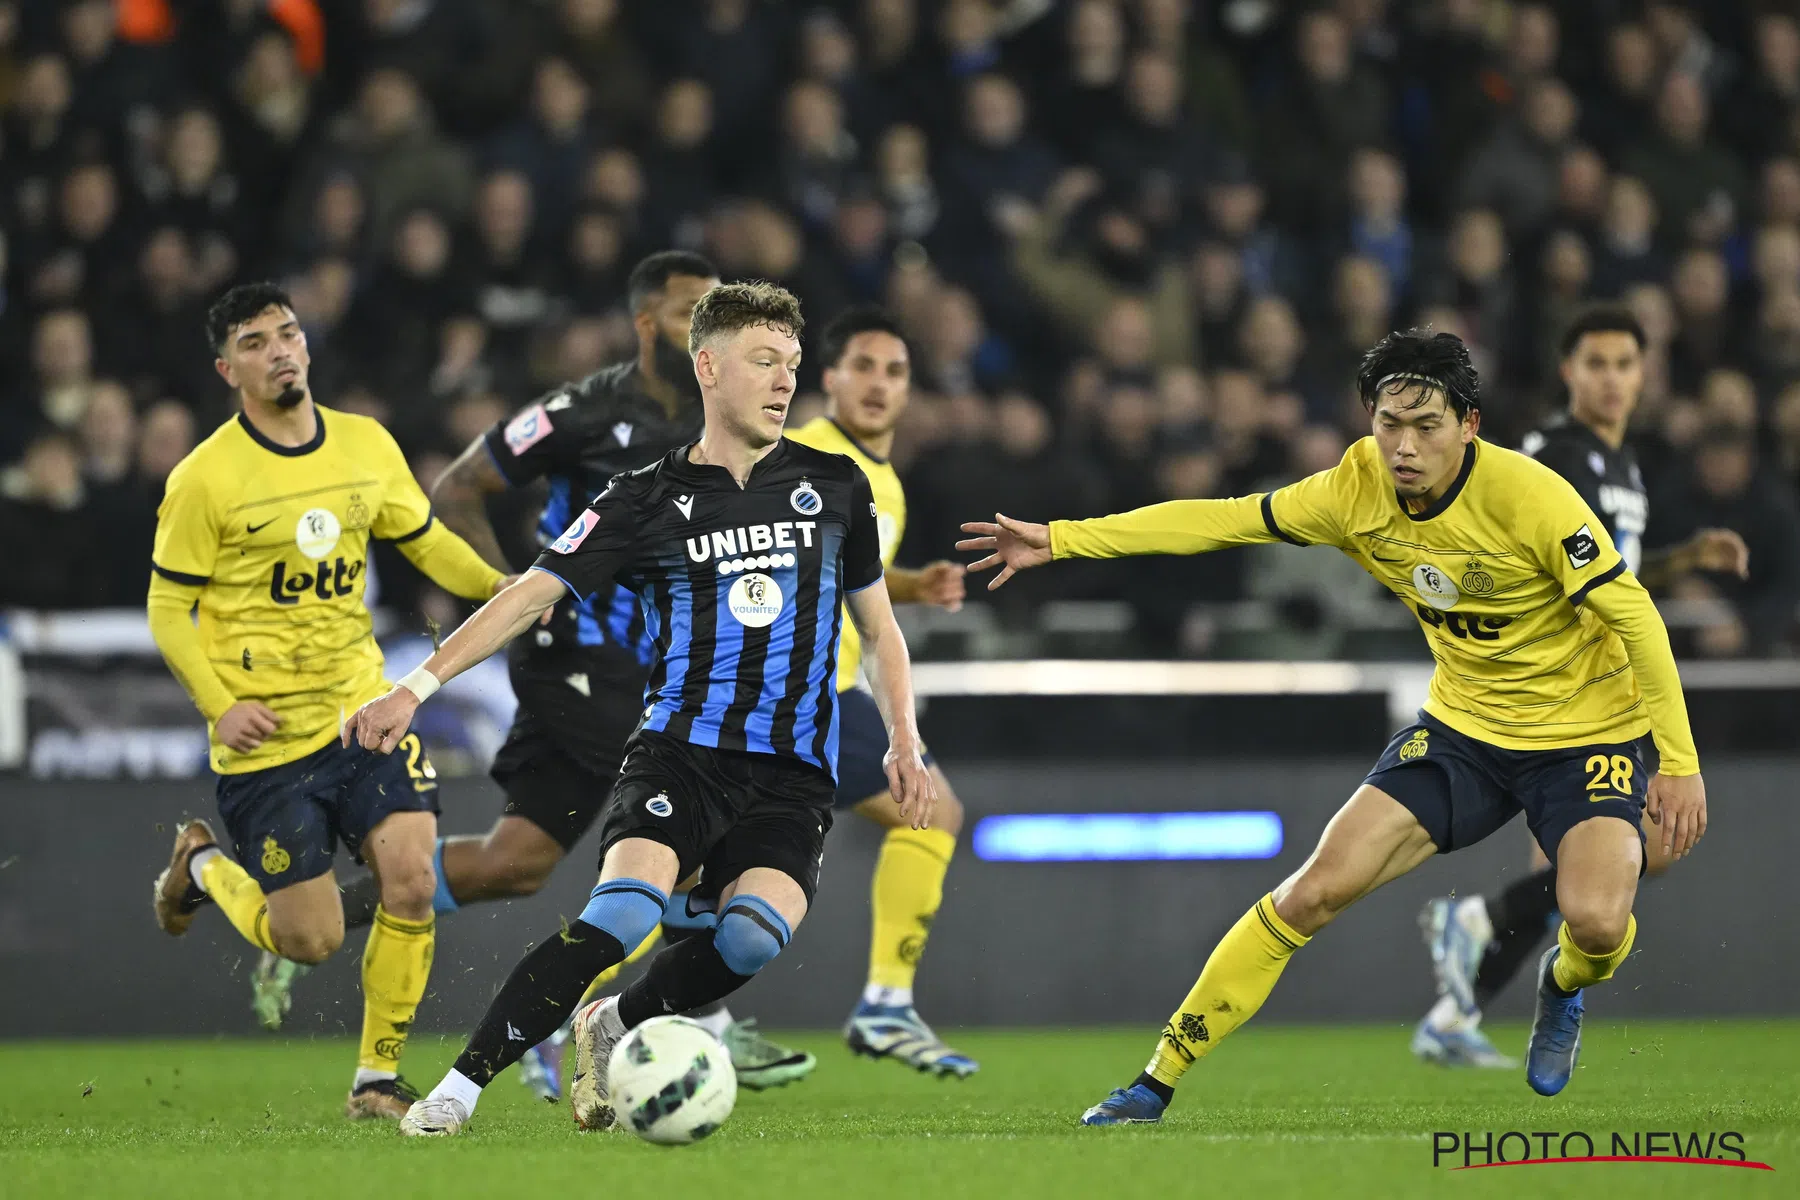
pixel 579 681
pixel 513 1034
pixel 686 505
pixel 622 431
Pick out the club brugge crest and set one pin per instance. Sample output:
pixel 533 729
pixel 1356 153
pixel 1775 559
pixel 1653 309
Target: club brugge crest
pixel 806 501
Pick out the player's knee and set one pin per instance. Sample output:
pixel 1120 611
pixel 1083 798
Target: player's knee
pixel 627 909
pixel 307 946
pixel 750 935
pixel 407 888
pixel 1596 924
pixel 1313 897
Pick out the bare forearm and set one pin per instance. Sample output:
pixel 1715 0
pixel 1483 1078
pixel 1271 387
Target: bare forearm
pixel 903 585
pixel 463 510
pixel 890 678
pixel 496 623
pixel 459 498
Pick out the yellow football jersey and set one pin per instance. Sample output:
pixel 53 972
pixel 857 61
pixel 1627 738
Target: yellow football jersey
pixel 1499 571
pixel 277 539
pixel 822 433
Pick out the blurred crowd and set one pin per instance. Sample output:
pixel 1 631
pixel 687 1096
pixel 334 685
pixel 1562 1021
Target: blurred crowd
pixel 1138 244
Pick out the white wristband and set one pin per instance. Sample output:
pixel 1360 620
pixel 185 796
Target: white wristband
pixel 421 683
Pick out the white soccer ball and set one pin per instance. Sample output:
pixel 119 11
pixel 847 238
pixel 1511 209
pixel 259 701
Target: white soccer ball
pixel 671 1081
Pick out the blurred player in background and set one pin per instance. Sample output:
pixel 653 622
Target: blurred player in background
pixel 1478 943
pixel 265 529
pixel 1552 667
pixel 867 380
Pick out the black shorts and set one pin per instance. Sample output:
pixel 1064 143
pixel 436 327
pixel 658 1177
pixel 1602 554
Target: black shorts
pixel 1462 789
pixel 862 744
pixel 563 751
pixel 722 811
pixel 286 822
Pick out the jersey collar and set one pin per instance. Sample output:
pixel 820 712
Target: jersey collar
pixel 860 448
pixel 318 437
pixel 1449 497
pixel 717 476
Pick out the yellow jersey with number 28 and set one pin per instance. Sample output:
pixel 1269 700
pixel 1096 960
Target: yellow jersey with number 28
pixel 1542 638
pixel 822 433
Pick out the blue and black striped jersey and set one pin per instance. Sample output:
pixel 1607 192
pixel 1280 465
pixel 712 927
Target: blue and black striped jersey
pixel 740 589
pixel 576 438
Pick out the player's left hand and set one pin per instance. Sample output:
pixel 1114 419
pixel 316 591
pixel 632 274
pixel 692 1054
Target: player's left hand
pixel 1677 803
pixel 380 724
pixel 1720 550
pixel 941 583
pixel 910 782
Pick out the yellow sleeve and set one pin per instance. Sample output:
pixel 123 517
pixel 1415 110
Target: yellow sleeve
pixel 1304 513
pixel 178 638
pixel 450 562
pixel 187 529
pixel 1627 609
pixel 1572 545
pixel 405 519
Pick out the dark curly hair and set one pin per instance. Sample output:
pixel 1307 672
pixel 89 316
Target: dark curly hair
pixel 240 304
pixel 1420 356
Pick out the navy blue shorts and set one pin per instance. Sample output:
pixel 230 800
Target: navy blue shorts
pixel 862 744
pixel 1462 789
pixel 285 822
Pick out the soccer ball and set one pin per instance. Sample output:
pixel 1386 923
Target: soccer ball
pixel 671 1081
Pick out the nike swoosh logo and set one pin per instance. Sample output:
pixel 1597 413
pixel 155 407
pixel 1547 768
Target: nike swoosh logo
pixel 1378 558
pixel 257 528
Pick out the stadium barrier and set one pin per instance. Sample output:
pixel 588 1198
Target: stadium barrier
pixel 1033 939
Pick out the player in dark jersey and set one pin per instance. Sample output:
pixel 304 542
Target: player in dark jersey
pixel 1478 943
pixel 741 549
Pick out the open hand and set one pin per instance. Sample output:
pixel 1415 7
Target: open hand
pixel 1677 803
pixel 1014 546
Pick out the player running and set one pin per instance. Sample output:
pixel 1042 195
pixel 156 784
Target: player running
pixel 868 378
pixel 265 529
pixel 1552 666
pixel 579 680
pixel 741 548
pixel 1477 944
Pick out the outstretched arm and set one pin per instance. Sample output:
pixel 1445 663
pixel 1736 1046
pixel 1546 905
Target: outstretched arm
pixel 1175 527
pixel 938 583
pixel 380 724
pixel 890 678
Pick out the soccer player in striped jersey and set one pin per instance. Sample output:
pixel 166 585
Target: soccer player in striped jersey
pixel 264 530
pixel 742 548
pixel 1553 668
pixel 868 379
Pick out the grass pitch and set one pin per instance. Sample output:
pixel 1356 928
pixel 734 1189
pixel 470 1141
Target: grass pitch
pixel 1280 1111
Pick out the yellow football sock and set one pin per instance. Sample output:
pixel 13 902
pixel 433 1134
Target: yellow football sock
pixel 396 963
pixel 611 973
pixel 240 898
pixel 903 901
pixel 1238 976
pixel 1575 968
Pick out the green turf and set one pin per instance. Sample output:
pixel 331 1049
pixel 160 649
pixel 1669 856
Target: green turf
pixel 1281 1111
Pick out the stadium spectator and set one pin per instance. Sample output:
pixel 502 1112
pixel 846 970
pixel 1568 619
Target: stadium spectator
pixel 1139 243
